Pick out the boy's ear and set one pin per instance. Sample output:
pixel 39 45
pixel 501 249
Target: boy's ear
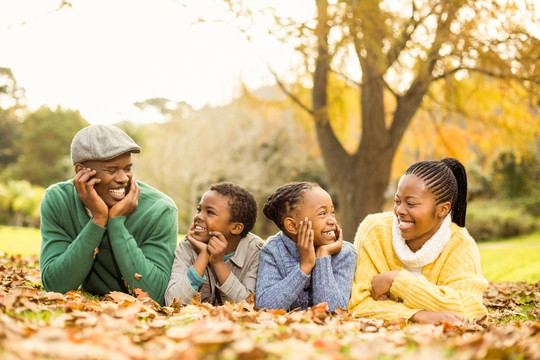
pixel 78 167
pixel 444 209
pixel 237 228
pixel 290 225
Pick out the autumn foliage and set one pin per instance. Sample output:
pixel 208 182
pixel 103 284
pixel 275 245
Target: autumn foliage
pixel 35 324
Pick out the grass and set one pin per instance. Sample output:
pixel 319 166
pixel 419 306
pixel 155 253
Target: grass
pixel 516 259
pixel 18 240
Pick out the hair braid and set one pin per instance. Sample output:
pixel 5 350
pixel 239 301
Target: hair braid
pixel 447 180
pixel 284 201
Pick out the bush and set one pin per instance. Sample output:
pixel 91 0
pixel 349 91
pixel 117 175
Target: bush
pixel 495 219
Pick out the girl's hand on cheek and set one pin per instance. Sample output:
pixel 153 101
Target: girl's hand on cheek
pixel 304 242
pixel 333 248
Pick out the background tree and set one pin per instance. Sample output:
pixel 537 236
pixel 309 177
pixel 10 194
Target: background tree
pixel 12 106
pixel 19 203
pixel 45 145
pixel 401 49
pixel 252 142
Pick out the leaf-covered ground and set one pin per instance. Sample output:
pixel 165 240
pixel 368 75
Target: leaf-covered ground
pixel 35 324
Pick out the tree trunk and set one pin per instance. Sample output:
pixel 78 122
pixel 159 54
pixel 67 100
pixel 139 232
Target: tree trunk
pixel 359 180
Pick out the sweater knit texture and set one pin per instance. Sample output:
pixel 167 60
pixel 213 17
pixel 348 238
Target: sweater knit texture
pixel 129 253
pixel 238 286
pixel 282 285
pixel 453 281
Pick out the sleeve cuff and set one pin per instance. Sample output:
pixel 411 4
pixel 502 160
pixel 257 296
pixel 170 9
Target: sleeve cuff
pixel 401 285
pixel 194 279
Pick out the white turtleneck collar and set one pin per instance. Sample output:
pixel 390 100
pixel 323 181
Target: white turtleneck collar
pixel 414 262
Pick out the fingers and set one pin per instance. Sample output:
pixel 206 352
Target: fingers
pixel 302 232
pixel 305 235
pixel 84 179
pixel 339 234
pixel 191 231
pixel 134 189
pixel 217 244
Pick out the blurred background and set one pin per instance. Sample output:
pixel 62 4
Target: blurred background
pixel 344 93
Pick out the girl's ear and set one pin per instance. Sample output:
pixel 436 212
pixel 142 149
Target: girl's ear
pixel 290 225
pixel 444 209
pixel 78 167
pixel 237 228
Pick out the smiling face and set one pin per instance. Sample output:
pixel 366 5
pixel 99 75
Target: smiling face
pixel 115 175
pixel 418 215
pixel 213 214
pixel 317 206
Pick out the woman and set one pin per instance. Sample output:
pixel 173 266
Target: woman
pixel 419 262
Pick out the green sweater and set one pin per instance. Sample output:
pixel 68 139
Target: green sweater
pixel 133 252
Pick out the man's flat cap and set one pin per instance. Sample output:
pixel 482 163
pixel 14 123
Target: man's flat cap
pixel 101 142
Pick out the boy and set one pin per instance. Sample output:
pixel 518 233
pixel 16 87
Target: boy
pixel 219 257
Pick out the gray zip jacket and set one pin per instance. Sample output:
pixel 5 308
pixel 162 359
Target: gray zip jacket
pixel 239 285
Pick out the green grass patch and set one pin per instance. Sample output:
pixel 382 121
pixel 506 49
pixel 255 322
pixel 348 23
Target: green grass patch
pixel 516 259
pixel 19 240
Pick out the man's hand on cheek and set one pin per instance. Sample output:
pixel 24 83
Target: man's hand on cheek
pixel 129 203
pixel 84 182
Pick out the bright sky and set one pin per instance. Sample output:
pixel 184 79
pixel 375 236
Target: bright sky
pixel 100 56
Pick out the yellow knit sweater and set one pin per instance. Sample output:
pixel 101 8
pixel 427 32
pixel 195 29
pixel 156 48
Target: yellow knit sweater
pixel 452 282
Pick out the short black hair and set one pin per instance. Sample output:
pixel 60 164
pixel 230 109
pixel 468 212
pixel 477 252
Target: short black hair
pixel 284 201
pixel 242 204
pixel 447 180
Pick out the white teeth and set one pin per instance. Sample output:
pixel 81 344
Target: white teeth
pixel 405 224
pixel 200 228
pixel 118 192
pixel 329 233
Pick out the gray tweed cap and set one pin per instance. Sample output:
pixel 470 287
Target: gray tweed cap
pixel 101 142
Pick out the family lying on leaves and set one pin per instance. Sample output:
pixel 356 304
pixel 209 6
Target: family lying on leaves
pixel 103 231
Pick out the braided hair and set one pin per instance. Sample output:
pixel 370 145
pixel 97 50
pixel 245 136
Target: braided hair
pixel 285 200
pixel 242 204
pixel 447 180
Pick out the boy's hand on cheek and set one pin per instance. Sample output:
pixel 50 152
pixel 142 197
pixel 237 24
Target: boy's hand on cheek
pixel 333 248
pixel 306 249
pixel 216 247
pixel 198 245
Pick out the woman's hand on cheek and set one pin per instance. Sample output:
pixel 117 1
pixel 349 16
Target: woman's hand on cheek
pixel 304 242
pixel 381 284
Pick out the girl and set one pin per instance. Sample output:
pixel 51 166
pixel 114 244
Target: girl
pixel 419 262
pixel 307 262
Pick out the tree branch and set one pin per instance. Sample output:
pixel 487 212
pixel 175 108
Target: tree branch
pixel 293 97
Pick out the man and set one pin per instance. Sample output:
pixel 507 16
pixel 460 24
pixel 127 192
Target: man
pixel 102 230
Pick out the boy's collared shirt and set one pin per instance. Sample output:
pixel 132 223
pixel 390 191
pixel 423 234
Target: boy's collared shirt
pixel 243 265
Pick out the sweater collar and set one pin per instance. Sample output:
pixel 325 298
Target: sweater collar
pixel 428 252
